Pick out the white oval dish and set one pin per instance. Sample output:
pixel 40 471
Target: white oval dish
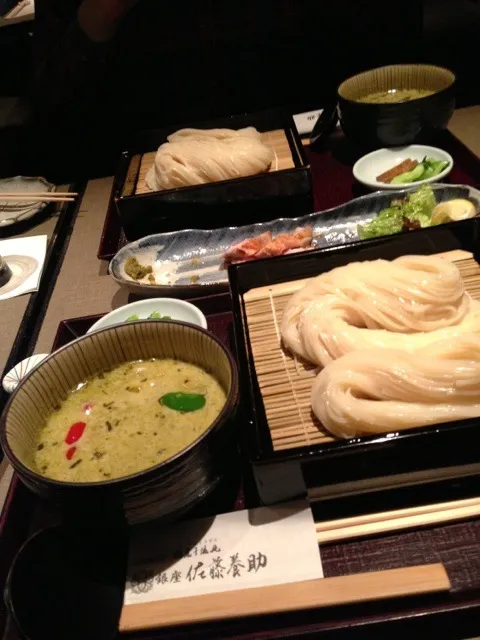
pixel 12 379
pixel 377 162
pixel 176 309
pixel 14 211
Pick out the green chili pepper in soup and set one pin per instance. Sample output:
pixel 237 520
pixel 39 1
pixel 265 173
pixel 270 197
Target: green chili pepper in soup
pixel 183 402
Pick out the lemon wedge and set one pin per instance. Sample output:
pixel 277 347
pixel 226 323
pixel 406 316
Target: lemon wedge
pixel 453 211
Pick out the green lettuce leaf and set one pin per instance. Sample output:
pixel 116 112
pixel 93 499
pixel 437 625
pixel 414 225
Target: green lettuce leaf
pixel 418 206
pixel 421 201
pixel 387 222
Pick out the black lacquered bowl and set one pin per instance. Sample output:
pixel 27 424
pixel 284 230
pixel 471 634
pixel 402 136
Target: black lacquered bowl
pixel 373 125
pixel 164 491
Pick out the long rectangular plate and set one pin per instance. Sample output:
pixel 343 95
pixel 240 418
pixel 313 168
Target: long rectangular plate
pixel 191 261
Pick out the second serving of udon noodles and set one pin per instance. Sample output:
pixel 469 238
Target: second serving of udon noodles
pixel 397 345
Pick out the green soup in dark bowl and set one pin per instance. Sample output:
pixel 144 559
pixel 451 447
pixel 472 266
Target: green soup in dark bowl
pixel 396 105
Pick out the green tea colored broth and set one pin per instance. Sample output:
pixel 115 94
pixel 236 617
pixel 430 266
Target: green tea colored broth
pixel 116 424
pixel 400 95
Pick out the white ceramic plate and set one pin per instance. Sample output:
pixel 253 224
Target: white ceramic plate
pixel 176 309
pixel 14 211
pixel 374 164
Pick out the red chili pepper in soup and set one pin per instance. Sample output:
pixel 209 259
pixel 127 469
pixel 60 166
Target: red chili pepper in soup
pixel 71 452
pixel 75 432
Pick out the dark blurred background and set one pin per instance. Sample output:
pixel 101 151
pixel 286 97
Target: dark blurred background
pixel 351 37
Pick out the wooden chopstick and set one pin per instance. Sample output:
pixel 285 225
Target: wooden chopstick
pixel 13 13
pixel 296 596
pixel 387 521
pixel 45 198
pixel 68 194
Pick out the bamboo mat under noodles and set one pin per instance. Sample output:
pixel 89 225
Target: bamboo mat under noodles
pixel 277 140
pixel 285 381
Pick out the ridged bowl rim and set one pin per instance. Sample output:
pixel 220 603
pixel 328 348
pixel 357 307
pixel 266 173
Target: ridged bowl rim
pixel 125 481
pixel 386 105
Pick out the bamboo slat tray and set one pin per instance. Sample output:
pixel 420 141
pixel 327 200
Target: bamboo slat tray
pixel 285 381
pixel 276 140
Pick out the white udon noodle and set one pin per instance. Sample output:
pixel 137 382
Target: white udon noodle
pixel 377 390
pixel 373 325
pixel 198 156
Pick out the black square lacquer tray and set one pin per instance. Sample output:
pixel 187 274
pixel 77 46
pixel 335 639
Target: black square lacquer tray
pixel 364 464
pixel 282 192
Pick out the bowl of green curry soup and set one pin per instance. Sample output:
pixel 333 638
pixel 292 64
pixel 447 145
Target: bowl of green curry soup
pixel 396 105
pixel 138 417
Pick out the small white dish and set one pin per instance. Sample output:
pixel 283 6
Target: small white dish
pixel 377 162
pixel 12 379
pixel 176 309
pixel 14 211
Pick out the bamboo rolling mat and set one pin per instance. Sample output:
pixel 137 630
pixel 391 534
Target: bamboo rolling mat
pixel 285 381
pixel 296 596
pixel 140 165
